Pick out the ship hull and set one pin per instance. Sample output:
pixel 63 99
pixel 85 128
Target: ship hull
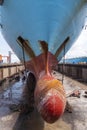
pixel 51 21
pixel 40 32
pixel 48 92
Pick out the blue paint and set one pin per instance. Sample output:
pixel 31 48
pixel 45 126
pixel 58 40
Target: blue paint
pixel 49 20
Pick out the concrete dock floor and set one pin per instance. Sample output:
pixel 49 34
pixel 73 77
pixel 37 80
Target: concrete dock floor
pixel 77 120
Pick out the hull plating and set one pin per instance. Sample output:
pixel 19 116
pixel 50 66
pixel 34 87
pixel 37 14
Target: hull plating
pixel 51 21
pixel 56 24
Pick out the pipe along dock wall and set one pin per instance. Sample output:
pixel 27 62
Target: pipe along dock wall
pixel 75 71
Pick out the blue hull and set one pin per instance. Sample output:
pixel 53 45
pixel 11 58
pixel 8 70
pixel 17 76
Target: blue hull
pixel 44 30
pixel 46 20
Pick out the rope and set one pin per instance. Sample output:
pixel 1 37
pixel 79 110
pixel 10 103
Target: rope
pixel 63 65
pixel 23 56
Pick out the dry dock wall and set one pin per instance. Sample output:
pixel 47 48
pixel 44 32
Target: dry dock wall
pixel 9 70
pixel 76 71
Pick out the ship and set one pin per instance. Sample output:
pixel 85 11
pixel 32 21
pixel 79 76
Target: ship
pixel 40 32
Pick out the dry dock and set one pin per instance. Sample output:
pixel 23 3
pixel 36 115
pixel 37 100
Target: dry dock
pixel 77 120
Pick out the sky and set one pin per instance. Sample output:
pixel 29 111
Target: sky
pixel 78 49
pixel 4 50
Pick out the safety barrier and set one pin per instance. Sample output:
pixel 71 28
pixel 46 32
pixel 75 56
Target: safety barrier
pixel 9 70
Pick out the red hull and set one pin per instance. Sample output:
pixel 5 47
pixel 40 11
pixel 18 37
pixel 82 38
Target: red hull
pixel 49 94
pixel 50 98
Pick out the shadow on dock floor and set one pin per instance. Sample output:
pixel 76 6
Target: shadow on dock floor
pixel 32 121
